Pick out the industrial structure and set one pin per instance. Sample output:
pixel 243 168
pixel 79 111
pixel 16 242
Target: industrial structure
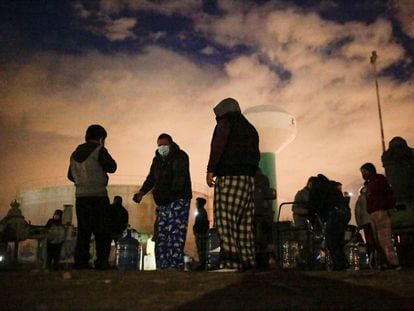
pixel 39 199
pixel 277 129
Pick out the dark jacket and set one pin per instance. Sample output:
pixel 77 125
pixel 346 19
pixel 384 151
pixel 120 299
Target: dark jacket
pixel 169 178
pixel 118 218
pixel 324 197
pixel 234 147
pixel 379 194
pixel 201 223
pixel 398 162
pixel 89 165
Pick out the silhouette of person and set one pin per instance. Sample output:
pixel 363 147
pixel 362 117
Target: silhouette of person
pixel 118 218
pixel 200 230
pixel 169 180
pixel 233 162
pixel 55 239
pixel 263 218
pixel 380 199
pixel 89 165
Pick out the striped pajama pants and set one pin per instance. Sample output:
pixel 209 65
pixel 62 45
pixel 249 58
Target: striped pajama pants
pixel 233 213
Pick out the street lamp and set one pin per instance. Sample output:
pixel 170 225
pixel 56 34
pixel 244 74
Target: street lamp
pixel 374 65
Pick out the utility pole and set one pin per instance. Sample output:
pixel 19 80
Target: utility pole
pixel 374 65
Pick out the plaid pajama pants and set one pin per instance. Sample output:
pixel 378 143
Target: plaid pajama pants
pixel 381 227
pixel 233 213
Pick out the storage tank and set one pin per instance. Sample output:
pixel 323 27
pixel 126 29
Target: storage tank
pixel 276 128
pixel 39 199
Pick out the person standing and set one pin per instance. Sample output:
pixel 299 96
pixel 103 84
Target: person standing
pixel 118 217
pixel 299 208
pixel 89 165
pixel 200 230
pixel 55 239
pixel 263 219
pixel 363 222
pixel 380 199
pixel 233 163
pixel 170 182
pixel 327 201
pixel 336 223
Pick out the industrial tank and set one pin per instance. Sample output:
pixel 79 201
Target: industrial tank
pixel 39 199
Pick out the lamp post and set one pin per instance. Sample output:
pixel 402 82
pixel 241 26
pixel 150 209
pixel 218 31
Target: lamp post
pixel 374 65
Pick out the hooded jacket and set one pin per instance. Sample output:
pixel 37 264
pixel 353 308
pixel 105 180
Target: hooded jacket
pixel 234 147
pixel 89 165
pixel 169 177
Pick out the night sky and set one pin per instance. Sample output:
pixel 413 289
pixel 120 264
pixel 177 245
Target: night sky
pixel 141 68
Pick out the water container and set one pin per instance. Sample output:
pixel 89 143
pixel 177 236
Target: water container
pixel 285 260
pixel 127 252
pixel 294 254
pixel 364 259
pixel 354 257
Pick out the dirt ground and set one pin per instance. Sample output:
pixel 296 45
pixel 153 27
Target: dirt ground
pixel 36 289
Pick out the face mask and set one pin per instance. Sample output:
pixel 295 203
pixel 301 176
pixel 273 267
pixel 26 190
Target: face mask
pixel 163 150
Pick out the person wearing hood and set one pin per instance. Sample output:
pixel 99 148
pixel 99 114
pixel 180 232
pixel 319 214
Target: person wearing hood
pixel 170 182
pixel 89 166
pixel 233 163
pixel 398 162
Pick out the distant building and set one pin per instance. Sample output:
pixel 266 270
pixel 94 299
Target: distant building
pixel 39 199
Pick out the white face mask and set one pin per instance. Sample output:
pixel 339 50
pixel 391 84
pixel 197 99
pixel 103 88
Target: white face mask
pixel 163 150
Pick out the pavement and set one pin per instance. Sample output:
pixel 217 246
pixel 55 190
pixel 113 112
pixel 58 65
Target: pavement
pixel 275 289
